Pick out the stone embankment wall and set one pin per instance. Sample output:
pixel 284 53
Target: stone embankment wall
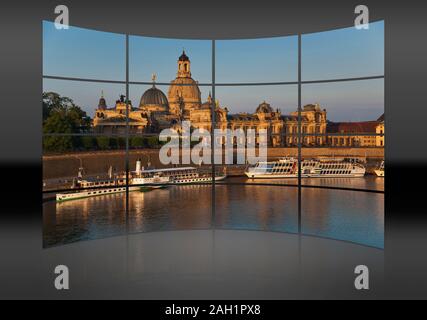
pixel 67 165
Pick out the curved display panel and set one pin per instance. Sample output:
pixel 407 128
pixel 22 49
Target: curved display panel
pixel 83 53
pixel 257 60
pixel 343 53
pixel 148 56
pixel 128 123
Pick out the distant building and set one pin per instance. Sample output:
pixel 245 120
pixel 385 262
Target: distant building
pixel 313 122
pixel 184 102
pixel 264 117
pixel 113 120
pixel 380 130
pixel 363 133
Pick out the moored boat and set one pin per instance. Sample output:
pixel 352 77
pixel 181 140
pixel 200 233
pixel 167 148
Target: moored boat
pixel 139 180
pixel 184 175
pixel 310 168
pixel 380 170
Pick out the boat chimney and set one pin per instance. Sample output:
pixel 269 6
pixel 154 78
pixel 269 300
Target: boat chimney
pixel 110 172
pixel 80 173
pixel 138 166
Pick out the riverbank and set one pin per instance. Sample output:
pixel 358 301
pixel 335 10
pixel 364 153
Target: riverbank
pixel 63 166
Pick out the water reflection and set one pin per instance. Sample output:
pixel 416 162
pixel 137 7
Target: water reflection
pixel 84 219
pixel 177 207
pixel 368 182
pixel 256 207
pixel 347 215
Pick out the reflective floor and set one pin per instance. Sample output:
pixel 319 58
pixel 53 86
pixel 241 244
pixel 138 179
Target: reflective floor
pixel 207 264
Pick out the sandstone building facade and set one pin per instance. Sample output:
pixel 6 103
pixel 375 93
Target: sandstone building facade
pixel 364 134
pixel 156 111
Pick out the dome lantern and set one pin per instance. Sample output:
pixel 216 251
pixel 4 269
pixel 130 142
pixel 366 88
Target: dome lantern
pixel 102 105
pixel 184 66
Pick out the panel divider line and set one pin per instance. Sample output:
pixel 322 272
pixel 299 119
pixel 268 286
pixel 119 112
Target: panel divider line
pixel 127 134
pixel 300 271
pixel 344 134
pixel 299 134
pixel 225 84
pixel 213 196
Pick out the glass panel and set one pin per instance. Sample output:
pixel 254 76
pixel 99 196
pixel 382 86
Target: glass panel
pixel 173 101
pixel 343 154
pixel 172 207
pixel 344 167
pixel 350 101
pixel 348 150
pixel 251 202
pixel 83 53
pixel 83 189
pixel 343 53
pixel 344 215
pixel 80 106
pixel 257 108
pixel 257 60
pixel 169 58
pixel 174 195
pixel 256 207
pixel 246 99
pixel 261 107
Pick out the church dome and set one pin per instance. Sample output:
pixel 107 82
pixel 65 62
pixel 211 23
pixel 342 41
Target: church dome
pixel 186 89
pixel 154 97
pixel 264 108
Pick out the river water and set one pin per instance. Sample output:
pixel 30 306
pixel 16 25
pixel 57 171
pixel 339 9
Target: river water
pixel 340 214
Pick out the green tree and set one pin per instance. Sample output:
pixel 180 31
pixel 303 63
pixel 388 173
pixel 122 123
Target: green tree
pixel 87 142
pixel 153 142
pixel 62 116
pixel 64 107
pixel 121 142
pixel 103 142
pixel 136 142
pixel 58 144
pixel 117 142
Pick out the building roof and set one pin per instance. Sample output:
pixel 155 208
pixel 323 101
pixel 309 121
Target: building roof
pixel 119 119
pixel 183 57
pixel 264 107
pixel 154 96
pixel 352 127
pixel 293 118
pixel 311 107
pixel 242 117
pixel 102 105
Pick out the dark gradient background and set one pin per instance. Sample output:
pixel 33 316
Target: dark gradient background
pixel 405 258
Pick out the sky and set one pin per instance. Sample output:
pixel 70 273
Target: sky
pixel 341 53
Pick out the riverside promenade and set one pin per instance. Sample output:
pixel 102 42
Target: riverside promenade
pixel 66 165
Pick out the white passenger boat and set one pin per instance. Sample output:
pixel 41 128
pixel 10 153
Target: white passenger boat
pixel 91 187
pixel 147 177
pixel 101 187
pixel 282 168
pixel 139 180
pixel 288 168
pixel 380 171
pixel 184 175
